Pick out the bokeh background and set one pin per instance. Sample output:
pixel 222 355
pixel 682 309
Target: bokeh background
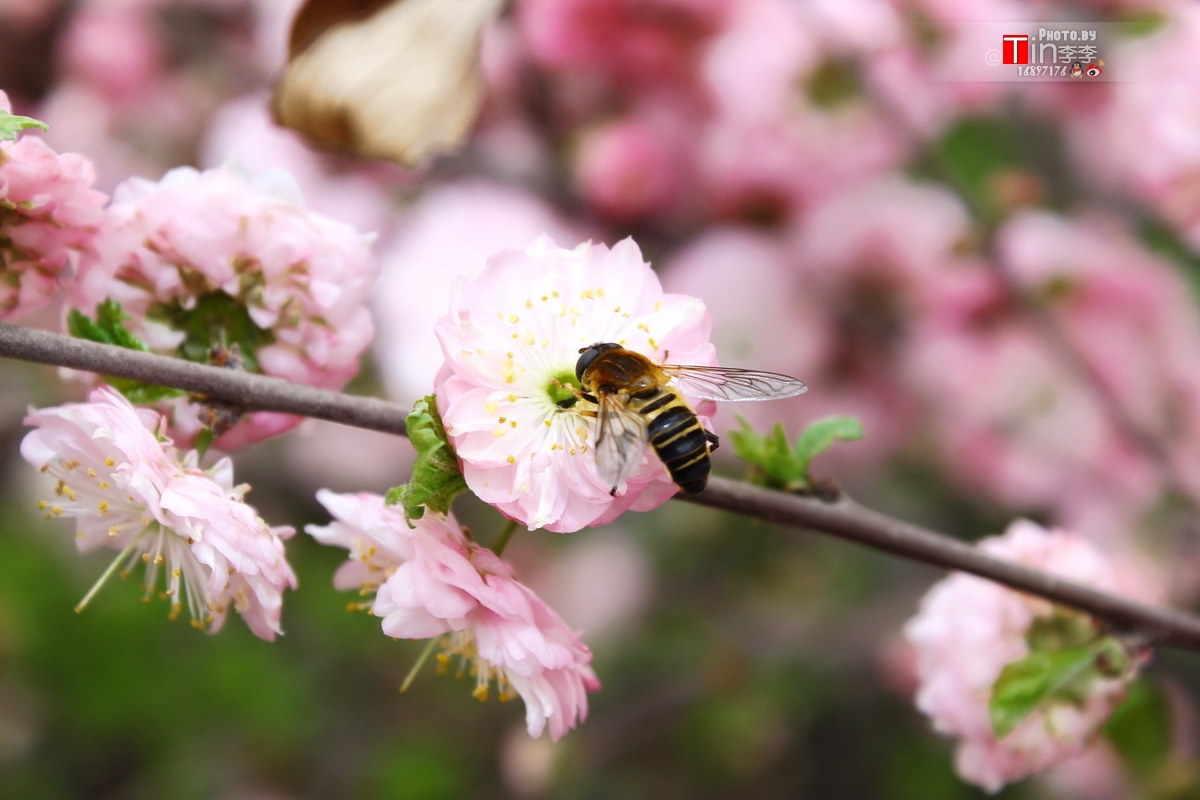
pixel 999 279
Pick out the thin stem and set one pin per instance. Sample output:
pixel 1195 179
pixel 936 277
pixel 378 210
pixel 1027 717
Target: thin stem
pixel 501 540
pixel 844 518
pixel 103 579
pixel 421 659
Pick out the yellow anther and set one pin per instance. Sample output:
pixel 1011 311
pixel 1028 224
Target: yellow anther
pixel 546 423
pixel 490 407
pixel 502 420
pixel 158 559
pixel 512 459
pixel 498 432
pixel 513 319
pixel 103 484
pixel 42 504
pixel 512 398
pixel 643 327
pixel 114 530
pixel 91 472
pixel 56 510
pixel 529 304
pixel 176 573
pixel 512 423
pixel 481 693
pixel 108 462
pixel 103 506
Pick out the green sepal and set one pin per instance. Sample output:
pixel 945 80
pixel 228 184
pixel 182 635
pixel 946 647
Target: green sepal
pixel 1046 676
pixel 204 440
pixel 436 478
pixel 13 124
pixel 216 319
pixel 109 328
pixel 776 463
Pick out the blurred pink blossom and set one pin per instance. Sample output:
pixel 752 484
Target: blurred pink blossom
pixel 628 168
pixel 775 138
pixel 113 47
pixel 968 629
pixel 875 260
pixel 636 42
pixel 129 490
pixel 433 581
pixel 48 211
pixel 242 130
pixel 450 232
pixel 515 330
pixel 1142 139
pixel 1010 417
pixel 216 236
pixel 1128 313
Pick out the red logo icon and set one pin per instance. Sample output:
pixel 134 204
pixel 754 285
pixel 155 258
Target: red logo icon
pixel 1016 48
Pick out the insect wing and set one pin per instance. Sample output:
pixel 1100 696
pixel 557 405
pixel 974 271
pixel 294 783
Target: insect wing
pixel 621 441
pixel 732 385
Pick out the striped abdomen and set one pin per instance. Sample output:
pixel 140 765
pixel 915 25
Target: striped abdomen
pixel 677 436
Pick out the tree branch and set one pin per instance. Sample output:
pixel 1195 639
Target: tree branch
pixel 249 391
pixel 844 518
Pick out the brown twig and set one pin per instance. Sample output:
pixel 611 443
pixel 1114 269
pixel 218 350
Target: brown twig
pixel 843 518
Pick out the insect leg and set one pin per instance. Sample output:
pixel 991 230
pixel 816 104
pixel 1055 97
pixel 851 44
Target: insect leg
pixel 714 441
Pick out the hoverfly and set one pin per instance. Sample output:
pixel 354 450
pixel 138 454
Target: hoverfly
pixel 639 402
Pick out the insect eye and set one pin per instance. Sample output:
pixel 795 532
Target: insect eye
pixel 586 360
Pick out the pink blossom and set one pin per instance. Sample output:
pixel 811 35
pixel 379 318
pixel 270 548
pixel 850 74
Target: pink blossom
pixel 769 141
pixel 435 582
pixel 969 629
pixel 1128 313
pixel 449 232
pixel 514 331
pixel 1010 418
pixel 48 211
pixel 219 238
pixel 637 42
pixel 112 46
pixel 628 168
pixel 129 490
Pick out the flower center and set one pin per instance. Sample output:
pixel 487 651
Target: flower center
pixel 461 644
pixel 561 389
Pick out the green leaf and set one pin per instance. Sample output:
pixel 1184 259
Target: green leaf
pixel 1140 728
pixel 436 478
pixel 109 328
pixel 818 436
pixel 771 459
pixel 12 124
pixel 1039 678
pixel 776 463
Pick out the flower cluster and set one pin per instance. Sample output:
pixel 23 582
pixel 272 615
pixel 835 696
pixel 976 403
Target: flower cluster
pixel 212 259
pixel 511 342
pixel 969 629
pixel 434 582
pixel 48 210
pixel 127 489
